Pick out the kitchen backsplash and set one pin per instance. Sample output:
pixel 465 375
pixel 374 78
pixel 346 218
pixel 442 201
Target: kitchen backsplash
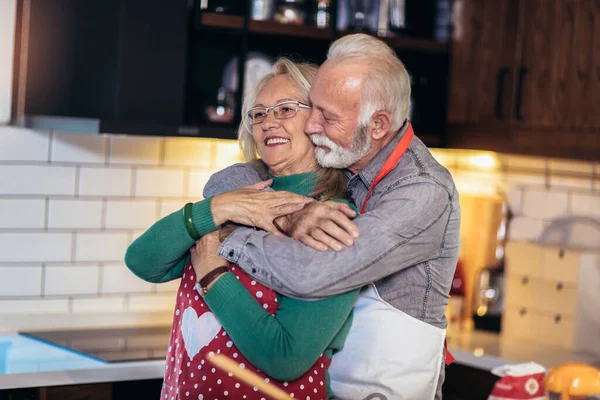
pixel 70 204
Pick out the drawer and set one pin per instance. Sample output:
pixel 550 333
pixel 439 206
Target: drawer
pixel 555 329
pixel 518 322
pixel 524 258
pixel 556 297
pixel 521 292
pixel 541 295
pixel 560 265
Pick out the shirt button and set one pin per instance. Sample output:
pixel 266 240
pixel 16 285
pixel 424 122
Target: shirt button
pixel 231 253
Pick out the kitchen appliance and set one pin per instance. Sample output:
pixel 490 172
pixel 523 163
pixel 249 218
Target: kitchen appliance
pixel 111 344
pixel 488 291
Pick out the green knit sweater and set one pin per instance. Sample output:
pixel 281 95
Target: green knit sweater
pixel 283 347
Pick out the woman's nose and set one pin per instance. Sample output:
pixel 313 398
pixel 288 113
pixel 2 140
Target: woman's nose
pixel 270 121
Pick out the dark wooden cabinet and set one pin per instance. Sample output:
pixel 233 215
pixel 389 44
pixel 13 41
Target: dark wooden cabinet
pixel 153 67
pixel 525 77
pixel 109 61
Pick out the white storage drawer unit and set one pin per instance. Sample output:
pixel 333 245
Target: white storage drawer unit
pixel 552 296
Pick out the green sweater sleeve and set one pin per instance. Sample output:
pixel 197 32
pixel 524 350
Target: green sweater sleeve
pixel 286 345
pixel 161 253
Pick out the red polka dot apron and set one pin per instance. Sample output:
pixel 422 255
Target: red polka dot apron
pixel 196 333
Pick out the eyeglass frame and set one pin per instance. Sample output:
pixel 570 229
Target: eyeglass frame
pixel 267 109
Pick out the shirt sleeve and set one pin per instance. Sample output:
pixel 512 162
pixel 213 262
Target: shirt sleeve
pixel 284 345
pixel 231 178
pixel 404 228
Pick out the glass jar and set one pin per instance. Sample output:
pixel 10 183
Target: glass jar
pixel 291 12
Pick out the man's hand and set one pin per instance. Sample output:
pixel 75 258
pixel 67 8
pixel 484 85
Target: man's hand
pixel 251 206
pixel 321 225
pixel 204 256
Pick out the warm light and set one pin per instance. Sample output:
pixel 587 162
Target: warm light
pixel 481 310
pixel 478 352
pixel 483 161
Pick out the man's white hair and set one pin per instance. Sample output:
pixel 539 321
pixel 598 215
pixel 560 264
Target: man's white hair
pixel 387 84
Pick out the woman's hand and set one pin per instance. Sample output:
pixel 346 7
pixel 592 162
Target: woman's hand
pixel 251 206
pixel 204 255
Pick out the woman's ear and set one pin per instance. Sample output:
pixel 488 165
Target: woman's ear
pixel 380 124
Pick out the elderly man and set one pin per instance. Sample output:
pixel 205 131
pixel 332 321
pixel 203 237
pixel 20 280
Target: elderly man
pixel 409 227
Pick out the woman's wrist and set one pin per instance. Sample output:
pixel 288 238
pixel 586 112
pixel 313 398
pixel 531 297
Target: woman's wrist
pixel 206 281
pixel 218 208
pixel 211 284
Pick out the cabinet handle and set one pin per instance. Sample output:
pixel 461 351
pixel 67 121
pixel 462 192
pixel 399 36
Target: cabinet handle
pixel 522 311
pixel 559 286
pixel 561 253
pixel 557 318
pixel 522 73
pixel 502 72
pixel 525 280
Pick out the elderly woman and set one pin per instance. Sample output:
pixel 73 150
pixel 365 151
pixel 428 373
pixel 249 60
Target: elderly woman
pixel 219 309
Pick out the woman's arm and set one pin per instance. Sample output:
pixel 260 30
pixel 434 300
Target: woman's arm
pixel 285 345
pixel 161 253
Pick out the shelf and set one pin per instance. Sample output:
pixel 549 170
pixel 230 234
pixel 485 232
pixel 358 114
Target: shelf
pixel 217 20
pixel 276 28
pixel 411 43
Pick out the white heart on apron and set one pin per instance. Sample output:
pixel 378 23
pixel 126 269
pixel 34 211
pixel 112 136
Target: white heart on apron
pixel 196 331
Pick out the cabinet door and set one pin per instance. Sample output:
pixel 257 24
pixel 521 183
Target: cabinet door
pixel 557 84
pixel 483 59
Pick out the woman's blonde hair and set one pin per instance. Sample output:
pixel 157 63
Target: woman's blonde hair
pixel 302 74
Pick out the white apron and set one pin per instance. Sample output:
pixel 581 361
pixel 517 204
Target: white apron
pixel 387 355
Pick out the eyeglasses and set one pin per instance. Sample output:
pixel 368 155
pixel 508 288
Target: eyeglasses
pixel 283 110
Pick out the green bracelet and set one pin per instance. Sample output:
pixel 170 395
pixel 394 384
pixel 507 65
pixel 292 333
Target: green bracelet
pixel 189 224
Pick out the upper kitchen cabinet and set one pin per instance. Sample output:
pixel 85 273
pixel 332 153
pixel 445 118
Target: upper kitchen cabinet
pixel 109 66
pixel 180 67
pixel 525 77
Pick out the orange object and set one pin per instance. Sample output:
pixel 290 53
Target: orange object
pixel 573 380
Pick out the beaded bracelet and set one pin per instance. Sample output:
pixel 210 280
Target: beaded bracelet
pixel 189 224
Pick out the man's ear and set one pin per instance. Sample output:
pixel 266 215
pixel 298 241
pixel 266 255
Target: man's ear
pixel 380 123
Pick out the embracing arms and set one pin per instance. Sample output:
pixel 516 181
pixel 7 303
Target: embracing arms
pixel 405 228
pixel 284 345
pixel 161 253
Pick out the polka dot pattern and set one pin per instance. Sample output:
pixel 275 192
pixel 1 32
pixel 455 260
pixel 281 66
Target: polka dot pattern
pixel 180 381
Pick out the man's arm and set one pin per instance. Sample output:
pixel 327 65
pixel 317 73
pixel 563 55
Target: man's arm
pixel 405 228
pixel 232 178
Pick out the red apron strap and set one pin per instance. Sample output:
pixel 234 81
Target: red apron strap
pixel 390 163
pixel 449 357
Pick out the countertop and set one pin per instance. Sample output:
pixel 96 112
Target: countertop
pixel 475 349
pixel 486 351
pixel 26 362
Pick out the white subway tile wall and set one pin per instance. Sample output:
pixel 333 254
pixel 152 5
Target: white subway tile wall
pixel 71 204
pixel 22 213
pixel 74 214
pixel 78 148
pixel 73 279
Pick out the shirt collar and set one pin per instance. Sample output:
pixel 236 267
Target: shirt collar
pixel 370 171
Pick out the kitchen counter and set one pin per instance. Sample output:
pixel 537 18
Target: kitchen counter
pixel 486 351
pixel 26 362
pixel 480 350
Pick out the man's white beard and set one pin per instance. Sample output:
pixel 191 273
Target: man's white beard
pixel 338 156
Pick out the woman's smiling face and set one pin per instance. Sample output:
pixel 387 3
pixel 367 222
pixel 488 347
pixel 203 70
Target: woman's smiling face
pixel 282 143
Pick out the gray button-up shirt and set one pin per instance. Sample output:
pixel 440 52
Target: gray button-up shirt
pixel 408 244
